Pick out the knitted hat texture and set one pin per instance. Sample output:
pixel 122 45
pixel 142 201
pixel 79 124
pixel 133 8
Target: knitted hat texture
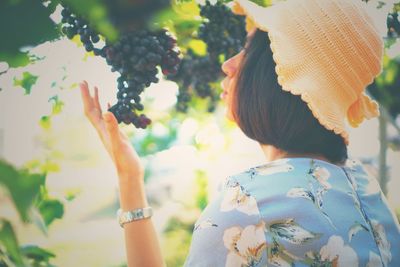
pixel 326 51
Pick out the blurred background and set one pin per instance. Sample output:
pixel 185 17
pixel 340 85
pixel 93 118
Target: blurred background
pixel 58 187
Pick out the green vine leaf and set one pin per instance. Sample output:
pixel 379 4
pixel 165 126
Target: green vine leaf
pixel 57 105
pixel 9 240
pixel 37 254
pixel 22 186
pixel 51 209
pixel 45 122
pixel 27 81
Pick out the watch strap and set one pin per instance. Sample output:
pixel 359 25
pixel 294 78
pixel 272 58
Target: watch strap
pixel 133 215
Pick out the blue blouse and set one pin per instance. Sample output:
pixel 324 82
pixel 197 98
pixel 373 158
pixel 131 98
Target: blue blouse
pixel 297 212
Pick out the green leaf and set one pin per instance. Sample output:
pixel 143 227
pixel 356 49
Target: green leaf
pixel 51 209
pixel 45 122
pixel 9 240
pixel 16 59
pixel 71 194
pixel 198 46
pixel 37 254
pixel 23 24
pixel 37 219
pixel 57 105
pixel 22 186
pixel 49 166
pixel 26 82
pixel 263 3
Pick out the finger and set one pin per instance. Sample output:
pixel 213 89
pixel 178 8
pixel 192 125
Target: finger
pixel 96 99
pixel 86 98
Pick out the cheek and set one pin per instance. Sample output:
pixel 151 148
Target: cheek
pixel 230 102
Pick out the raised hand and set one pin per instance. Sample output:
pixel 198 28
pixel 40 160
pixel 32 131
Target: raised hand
pixel 117 144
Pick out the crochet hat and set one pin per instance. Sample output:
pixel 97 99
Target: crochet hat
pixel 326 51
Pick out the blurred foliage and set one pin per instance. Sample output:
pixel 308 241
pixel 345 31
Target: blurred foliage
pixel 153 142
pixel 57 105
pixel 37 256
pixel 177 234
pixel 29 195
pixel 202 190
pixel 24 24
pixel 176 241
pixel 386 87
pixel 9 252
pixel 49 208
pixel 26 82
pixel 45 122
pixel 22 186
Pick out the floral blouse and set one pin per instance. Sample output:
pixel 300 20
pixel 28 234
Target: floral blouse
pixel 297 212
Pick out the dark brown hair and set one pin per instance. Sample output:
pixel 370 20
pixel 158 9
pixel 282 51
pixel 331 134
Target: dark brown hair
pixel 270 115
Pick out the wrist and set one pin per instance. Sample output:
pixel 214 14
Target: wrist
pixel 131 176
pixel 132 193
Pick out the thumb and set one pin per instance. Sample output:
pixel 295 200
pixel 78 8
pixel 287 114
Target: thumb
pixel 111 125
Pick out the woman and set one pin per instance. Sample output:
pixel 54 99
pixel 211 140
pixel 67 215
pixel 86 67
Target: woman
pixel 303 71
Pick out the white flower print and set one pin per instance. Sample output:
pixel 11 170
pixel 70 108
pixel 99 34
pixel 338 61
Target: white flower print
pixel 246 246
pixel 337 252
pixel 274 167
pixel 322 175
pixel 291 232
pixel 383 243
pixel 300 192
pixel 374 260
pixel 355 228
pixel 205 224
pixel 236 198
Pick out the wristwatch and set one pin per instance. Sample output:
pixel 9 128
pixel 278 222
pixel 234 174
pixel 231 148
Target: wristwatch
pixel 133 215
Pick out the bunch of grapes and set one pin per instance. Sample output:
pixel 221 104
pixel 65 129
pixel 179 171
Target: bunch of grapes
pixel 393 25
pixel 195 73
pixel 76 25
pixel 135 56
pixel 224 33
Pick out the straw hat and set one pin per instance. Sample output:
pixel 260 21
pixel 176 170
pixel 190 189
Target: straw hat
pixel 326 51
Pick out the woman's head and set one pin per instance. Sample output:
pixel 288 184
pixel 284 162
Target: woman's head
pixel 267 113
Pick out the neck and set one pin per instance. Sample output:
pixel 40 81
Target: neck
pixel 273 153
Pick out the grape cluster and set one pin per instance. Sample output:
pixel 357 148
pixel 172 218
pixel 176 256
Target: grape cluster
pixel 224 33
pixel 135 56
pixel 195 73
pixel 74 25
pixel 393 24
